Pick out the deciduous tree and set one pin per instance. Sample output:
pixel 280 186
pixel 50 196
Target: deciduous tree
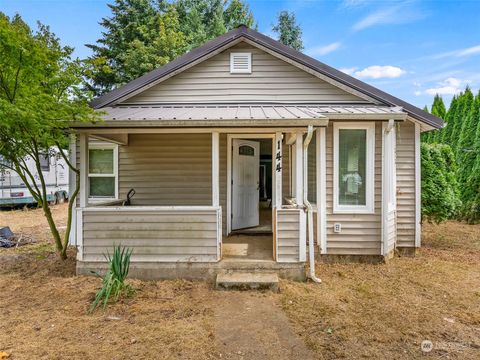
pixel 39 96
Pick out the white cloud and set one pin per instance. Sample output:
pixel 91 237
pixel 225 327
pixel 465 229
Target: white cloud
pixel 349 71
pixel 324 50
pixel 398 14
pixel 450 86
pixel 377 72
pixel 473 50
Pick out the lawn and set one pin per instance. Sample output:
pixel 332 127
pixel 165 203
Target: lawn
pixel 360 310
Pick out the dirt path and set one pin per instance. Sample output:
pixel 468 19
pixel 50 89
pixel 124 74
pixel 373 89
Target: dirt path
pixel 251 325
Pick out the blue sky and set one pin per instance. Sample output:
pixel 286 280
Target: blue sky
pixel 411 49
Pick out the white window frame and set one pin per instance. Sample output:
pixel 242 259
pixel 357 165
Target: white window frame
pixel 241 71
pixel 369 207
pixel 96 199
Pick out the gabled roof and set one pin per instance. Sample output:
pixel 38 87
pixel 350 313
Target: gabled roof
pixel 242 32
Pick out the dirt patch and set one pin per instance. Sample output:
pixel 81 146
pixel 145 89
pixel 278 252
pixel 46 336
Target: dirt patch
pixel 251 325
pixel 386 311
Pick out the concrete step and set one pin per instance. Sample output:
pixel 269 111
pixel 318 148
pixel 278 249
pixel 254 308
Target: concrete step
pixel 241 280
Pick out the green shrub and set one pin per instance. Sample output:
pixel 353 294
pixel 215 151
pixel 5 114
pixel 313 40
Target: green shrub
pixel 440 193
pixel 113 283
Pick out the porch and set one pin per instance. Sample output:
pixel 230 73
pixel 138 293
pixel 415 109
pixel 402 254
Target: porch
pixel 180 217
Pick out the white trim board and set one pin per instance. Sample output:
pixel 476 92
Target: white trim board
pixel 418 169
pixel 321 190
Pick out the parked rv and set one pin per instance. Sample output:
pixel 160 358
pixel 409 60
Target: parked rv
pixel 14 192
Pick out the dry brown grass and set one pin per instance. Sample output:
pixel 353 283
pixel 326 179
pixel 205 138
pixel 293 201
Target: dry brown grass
pixel 44 308
pixel 360 310
pixel 386 311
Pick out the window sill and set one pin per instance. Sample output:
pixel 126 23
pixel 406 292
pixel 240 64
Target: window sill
pixel 353 211
pixel 102 201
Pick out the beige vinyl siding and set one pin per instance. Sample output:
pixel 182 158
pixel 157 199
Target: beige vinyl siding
pixel 286 172
pixel 406 185
pixel 288 235
pixel 361 233
pixel 167 169
pixel 271 79
pixel 153 235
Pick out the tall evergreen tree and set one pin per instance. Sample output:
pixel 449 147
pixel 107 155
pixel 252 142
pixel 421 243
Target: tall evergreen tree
pixel 438 107
pixel 439 110
pixel 139 36
pixel 471 207
pixel 202 20
pixel 467 153
pixel 237 13
pixel 446 133
pixel 142 35
pixel 289 32
pixel 465 102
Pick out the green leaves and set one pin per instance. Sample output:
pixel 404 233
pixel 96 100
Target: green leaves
pixel 113 283
pixel 440 197
pixel 289 33
pixel 142 35
pixel 462 134
pixel 40 95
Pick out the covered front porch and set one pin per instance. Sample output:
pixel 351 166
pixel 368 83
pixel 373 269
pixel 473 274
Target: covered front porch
pixel 195 175
pixel 182 207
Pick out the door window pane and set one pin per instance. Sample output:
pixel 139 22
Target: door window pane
pixel 352 166
pixel 100 161
pixel 102 186
pixel 246 150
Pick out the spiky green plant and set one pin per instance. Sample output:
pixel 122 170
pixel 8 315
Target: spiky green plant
pixel 113 283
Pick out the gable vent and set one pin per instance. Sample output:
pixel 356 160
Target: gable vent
pixel 240 63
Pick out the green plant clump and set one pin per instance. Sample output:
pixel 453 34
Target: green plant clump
pixel 113 283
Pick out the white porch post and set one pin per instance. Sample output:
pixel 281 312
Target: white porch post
pixel 321 190
pixel 278 170
pixel 418 168
pixel 299 168
pixel 83 170
pixel 215 169
pixel 72 180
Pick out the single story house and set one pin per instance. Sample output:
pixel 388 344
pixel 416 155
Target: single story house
pixel 247 154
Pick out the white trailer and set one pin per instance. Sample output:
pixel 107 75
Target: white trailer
pixel 13 190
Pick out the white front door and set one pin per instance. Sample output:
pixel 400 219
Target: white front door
pixel 245 187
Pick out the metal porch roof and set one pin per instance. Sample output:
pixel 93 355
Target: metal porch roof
pixel 248 112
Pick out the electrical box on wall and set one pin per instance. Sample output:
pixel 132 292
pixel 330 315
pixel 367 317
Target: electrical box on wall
pixel 337 228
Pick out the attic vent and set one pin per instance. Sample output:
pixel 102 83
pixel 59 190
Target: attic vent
pixel 240 63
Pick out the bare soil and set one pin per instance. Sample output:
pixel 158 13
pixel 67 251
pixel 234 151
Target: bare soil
pixel 360 310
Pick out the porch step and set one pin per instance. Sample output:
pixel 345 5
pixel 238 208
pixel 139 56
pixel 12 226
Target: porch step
pixel 241 280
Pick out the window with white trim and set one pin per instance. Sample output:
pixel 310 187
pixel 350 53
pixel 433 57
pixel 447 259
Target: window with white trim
pixel 103 171
pixel 354 167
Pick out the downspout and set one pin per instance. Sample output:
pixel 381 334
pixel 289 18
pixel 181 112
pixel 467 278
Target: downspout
pixel 308 207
